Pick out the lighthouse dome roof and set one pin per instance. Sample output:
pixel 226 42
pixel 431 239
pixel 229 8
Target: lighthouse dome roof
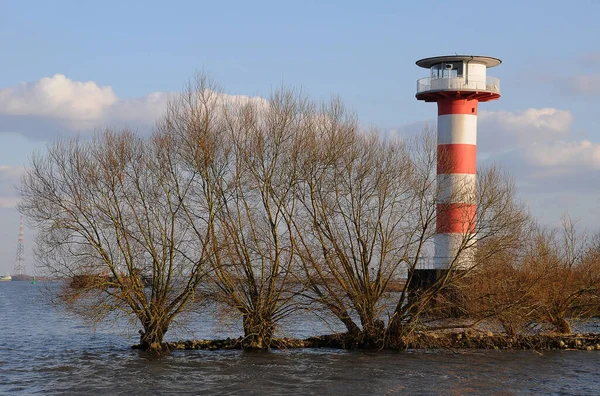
pixel 488 61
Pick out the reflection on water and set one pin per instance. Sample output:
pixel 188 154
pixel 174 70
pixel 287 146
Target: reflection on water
pixel 43 351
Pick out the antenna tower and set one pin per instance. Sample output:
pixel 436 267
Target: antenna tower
pixel 20 264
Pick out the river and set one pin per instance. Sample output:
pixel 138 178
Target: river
pixel 44 351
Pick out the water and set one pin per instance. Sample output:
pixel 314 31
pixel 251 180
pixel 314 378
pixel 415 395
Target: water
pixel 43 351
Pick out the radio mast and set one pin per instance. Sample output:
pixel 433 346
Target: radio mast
pixel 20 263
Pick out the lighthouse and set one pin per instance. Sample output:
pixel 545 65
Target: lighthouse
pixel 457 83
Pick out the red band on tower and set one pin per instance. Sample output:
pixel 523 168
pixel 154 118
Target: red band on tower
pixel 457 106
pixel 455 218
pixel 456 158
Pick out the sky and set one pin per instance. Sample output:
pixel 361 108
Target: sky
pixel 72 67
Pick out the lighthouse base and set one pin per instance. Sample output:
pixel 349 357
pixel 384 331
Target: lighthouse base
pixel 448 301
pixel 425 278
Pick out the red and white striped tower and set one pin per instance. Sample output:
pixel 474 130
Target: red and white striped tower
pixel 457 84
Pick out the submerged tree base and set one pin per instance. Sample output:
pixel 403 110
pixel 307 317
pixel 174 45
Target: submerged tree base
pixel 425 340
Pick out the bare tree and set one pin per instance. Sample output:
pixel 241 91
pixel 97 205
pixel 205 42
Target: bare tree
pixel 110 220
pixel 499 292
pixel 568 266
pixel 350 226
pixel 368 215
pixel 242 152
pixel 492 230
pixel 547 279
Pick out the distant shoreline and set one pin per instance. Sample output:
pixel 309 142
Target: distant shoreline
pixel 29 278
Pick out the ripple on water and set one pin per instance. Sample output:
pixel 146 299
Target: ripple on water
pixel 46 352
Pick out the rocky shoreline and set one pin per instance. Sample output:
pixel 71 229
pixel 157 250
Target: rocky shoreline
pixel 430 340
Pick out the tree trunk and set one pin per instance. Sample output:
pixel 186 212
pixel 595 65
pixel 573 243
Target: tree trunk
pixel 508 327
pixel 403 322
pixel 562 325
pixel 258 331
pixel 373 333
pixel 152 336
pixel 344 317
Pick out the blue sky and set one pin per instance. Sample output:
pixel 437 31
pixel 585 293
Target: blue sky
pixel 71 66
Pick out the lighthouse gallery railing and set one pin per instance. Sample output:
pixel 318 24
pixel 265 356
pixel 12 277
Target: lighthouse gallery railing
pixel 475 83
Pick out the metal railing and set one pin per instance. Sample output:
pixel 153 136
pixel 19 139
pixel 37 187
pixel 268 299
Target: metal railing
pixel 475 83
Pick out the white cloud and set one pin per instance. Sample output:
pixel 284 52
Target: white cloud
pixel 537 147
pixel 548 163
pixel 57 97
pixel 59 105
pixel 539 119
pixel 501 130
pixel 143 110
pixel 575 155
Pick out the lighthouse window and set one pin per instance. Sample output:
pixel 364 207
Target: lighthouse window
pixel 436 71
pixel 447 70
pixel 449 73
